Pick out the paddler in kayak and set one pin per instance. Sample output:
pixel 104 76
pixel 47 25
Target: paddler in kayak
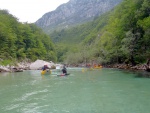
pixel 64 70
pixel 45 70
pixel 45 67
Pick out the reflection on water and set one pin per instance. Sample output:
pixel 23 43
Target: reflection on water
pixel 143 74
pixel 83 91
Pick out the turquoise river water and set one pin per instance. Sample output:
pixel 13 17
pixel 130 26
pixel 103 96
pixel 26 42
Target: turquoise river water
pixel 83 91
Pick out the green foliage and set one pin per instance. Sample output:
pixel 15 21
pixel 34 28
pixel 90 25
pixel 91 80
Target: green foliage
pixel 5 62
pixel 20 41
pixel 124 38
pixel 119 36
pixel 68 41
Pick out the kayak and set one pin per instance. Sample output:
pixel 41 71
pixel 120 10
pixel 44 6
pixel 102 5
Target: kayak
pixel 46 72
pixel 63 74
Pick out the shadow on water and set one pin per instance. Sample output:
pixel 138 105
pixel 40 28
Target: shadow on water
pixel 138 73
pixel 142 74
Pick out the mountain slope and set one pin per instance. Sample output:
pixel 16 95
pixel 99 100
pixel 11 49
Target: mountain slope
pixel 120 36
pixel 74 12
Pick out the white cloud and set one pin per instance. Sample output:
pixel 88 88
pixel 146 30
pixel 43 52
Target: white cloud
pixel 30 10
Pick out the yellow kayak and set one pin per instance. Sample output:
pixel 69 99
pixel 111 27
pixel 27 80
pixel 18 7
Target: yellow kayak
pixel 98 67
pixel 46 72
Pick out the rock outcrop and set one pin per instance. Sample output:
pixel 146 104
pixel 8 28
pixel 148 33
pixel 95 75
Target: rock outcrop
pixel 74 12
pixel 38 64
pixel 4 69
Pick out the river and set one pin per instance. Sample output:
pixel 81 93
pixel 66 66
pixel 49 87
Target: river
pixel 83 91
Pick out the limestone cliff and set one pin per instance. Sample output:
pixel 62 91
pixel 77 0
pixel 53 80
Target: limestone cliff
pixel 74 12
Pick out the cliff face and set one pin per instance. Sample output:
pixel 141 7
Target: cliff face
pixel 74 12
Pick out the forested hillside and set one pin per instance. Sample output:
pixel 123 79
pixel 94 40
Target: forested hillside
pixel 120 36
pixel 22 40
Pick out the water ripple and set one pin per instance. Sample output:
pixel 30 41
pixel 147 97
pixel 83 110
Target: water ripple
pixel 27 95
pixel 32 108
pixel 12 106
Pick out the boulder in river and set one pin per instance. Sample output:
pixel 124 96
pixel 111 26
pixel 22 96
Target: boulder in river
pixel 38 64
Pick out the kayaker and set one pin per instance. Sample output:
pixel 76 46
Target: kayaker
pixel 64 70
pixel 45 67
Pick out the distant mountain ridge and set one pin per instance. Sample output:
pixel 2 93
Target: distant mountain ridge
pixel 74 12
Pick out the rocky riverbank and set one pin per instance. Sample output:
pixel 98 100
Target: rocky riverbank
pixel 127 66
pixel 143 68
pixel 19 67
pixel 38 64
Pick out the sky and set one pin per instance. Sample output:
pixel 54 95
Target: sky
pixel 30 10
